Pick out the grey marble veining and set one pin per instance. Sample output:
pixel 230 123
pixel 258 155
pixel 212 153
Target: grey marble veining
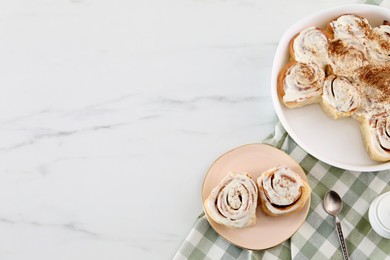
pixel 111 113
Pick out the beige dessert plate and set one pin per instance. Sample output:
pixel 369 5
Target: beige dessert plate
pixel 254 159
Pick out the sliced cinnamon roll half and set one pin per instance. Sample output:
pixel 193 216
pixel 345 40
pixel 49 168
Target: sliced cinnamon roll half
pixel 233 202
pixel 376 136
pixel 379 44
pixel 300 84
pixel 282 191
pixel 310 45
pixel 340 98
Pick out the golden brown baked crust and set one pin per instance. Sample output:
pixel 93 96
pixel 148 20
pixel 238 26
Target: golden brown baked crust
pixel 329 30
pixel 281 77
pixel 291 47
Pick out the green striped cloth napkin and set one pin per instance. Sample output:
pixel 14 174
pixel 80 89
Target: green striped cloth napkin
pixel 317 237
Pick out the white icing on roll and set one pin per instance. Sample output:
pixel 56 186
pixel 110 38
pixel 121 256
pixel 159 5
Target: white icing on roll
pixel 359 57
pixel 340 94
pixel 303 81
pixel 311 45
pixel 379 44
pixel 348 50
pixel 350 26
pixel 345 59
pixel 379 134
pixel 233 202
pixel 280 189
pixel 374 84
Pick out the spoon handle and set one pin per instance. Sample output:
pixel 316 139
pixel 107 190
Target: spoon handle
pixel 342 240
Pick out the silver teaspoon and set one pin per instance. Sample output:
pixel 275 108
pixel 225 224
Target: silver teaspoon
pixel 333 205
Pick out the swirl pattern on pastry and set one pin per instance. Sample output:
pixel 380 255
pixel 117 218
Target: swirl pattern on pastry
pixel 310 45
pixel 340 98
pixel 349 26
pixel 345 59
pixel 357 66
pixel 282 191
pixel 233 202
pixel 376 134
pixel 379 44
pixel 300 84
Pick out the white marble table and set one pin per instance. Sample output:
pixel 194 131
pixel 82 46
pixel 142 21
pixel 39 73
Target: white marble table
pixel 112 111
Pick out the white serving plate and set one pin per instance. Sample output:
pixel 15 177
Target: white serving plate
pixel 336 142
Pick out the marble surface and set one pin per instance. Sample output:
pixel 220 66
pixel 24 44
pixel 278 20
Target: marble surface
pixel 111 112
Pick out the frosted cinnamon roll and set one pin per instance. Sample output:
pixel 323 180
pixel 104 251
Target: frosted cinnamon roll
pixel 310 45
pixel 375 87
pixel 345 59
pixel 379 44
pixel 233 202
pixel 349 26
pixel 340 97
pixel 300 84
pixel 282 191
pixel 376 136
pixel 353 31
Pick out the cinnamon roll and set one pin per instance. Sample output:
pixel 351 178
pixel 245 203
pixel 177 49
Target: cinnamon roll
pixel 374 84
pixel 356 59
pixel 353 31
pixel 340 97
pixel 282 191
pixel 300 84
pixel 379 44
pixel 376 136
pixel 233 202
pixel 310 45
pixel 349 26
pixel 345 59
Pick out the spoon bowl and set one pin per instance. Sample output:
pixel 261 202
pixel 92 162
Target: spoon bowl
pixel 333 203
